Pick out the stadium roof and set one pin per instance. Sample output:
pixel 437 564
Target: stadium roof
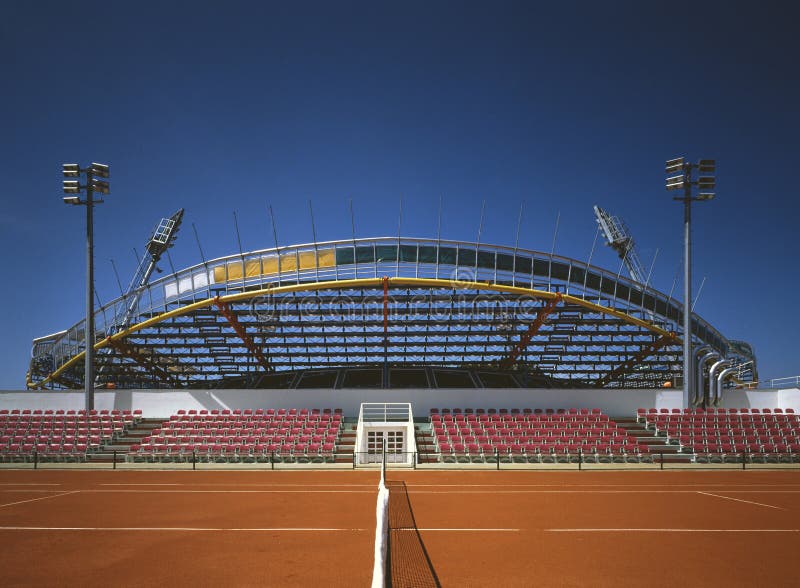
pixel 268 318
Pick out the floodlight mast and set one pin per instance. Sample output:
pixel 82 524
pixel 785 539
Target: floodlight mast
pixel 619 238
pixel 162 239
pixel 683 180
pixel 73 189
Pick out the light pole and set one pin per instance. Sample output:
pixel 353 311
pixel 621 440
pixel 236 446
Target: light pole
pixel 683 180
pixel 96 175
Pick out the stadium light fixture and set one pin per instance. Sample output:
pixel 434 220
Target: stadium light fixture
pixel 73 189
pixel 70 170
pixel 99 169
pixel 100 186
pixel 71 186
pixel 707 166
pixel 703 183
pixel 674 165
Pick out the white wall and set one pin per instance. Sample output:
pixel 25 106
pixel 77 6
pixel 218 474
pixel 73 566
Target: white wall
pixel 162 403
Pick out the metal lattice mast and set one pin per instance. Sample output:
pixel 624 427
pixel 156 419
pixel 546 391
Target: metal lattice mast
pixel 162 238
pixel 619 238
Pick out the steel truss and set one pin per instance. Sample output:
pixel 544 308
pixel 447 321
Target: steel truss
pixel 584 328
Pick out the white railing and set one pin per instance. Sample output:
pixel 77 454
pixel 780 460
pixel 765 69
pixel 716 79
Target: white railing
pixel 791 382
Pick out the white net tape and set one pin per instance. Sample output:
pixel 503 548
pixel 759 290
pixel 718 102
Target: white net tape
pixel 381 532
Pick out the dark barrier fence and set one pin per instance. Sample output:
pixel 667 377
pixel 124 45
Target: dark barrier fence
pixel 483 460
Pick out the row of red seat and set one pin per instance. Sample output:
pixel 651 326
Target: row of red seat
pixel 700 411
pixel 235 452
pixel 241 434
pixel 585 431
pixel 262 411
pixel 460 418
pixel 36 412
pixel 516 411
pixel 61 419
pixel 239 419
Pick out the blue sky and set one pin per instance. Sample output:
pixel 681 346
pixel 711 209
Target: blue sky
pixel 219 107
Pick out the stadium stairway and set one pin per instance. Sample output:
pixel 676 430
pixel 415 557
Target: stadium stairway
pixel 426 448
pixel 346 444
pixel 122 444
pixel 658 445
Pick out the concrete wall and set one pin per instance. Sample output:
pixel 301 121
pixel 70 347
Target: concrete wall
pixel 162 403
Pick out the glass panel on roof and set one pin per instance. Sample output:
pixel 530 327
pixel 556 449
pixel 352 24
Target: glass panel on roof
pixel 344 255
pixel 385 253
pixel 447 255
pixel 505 262
pixel 486 259
pixel 466 257
pixel 365 254
pixel 427 254
pixel 523 265
pixel 408 253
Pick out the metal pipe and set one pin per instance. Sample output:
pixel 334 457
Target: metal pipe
pixel 701 362
pixel 712 374
pixel 720 380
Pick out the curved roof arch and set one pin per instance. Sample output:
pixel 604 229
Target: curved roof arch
pixel 387 301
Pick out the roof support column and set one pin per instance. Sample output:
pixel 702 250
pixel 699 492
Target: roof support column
pixel 130 352
pixel 534 327
pixel 643 354
pixel 229 315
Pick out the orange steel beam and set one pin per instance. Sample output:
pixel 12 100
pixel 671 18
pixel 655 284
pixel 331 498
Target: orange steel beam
pixel 643 354
pixel 225 311
pixel 124 349
pixel 533 328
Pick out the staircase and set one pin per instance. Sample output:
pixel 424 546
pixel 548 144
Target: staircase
pixel 426 450
pixel 122 444
pixel 660 449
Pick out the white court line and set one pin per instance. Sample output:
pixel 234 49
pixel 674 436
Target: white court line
pixel 465 530
pixel 740 500
pixel 200 485
pixel 26 484
pixel 261 529
pixel 673 530
pixel 110 491
pixel 142 484
pixel 184 529
pixel 707 485
pixel 42 498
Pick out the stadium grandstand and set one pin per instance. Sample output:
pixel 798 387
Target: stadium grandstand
pixel 390 352
pixel 454 352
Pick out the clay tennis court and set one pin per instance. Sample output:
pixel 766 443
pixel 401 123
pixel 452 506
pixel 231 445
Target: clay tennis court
pixel 290 528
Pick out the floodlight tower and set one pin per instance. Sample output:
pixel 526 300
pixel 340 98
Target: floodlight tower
pixel 95 175
pixel 162 239
pixel 619 238
pixel 683 180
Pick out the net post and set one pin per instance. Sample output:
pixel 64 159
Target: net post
pixel 113 467
pixel 383 462
pixel 497 457
pixel 744 459
pixel 662 460
pixel 35 459
pixel 194 460
pixel 580 459
pixel 272 460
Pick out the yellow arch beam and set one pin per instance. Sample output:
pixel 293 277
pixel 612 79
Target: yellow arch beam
pixel 361 283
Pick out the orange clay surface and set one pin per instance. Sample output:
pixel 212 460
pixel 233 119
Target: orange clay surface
pixel 316 528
